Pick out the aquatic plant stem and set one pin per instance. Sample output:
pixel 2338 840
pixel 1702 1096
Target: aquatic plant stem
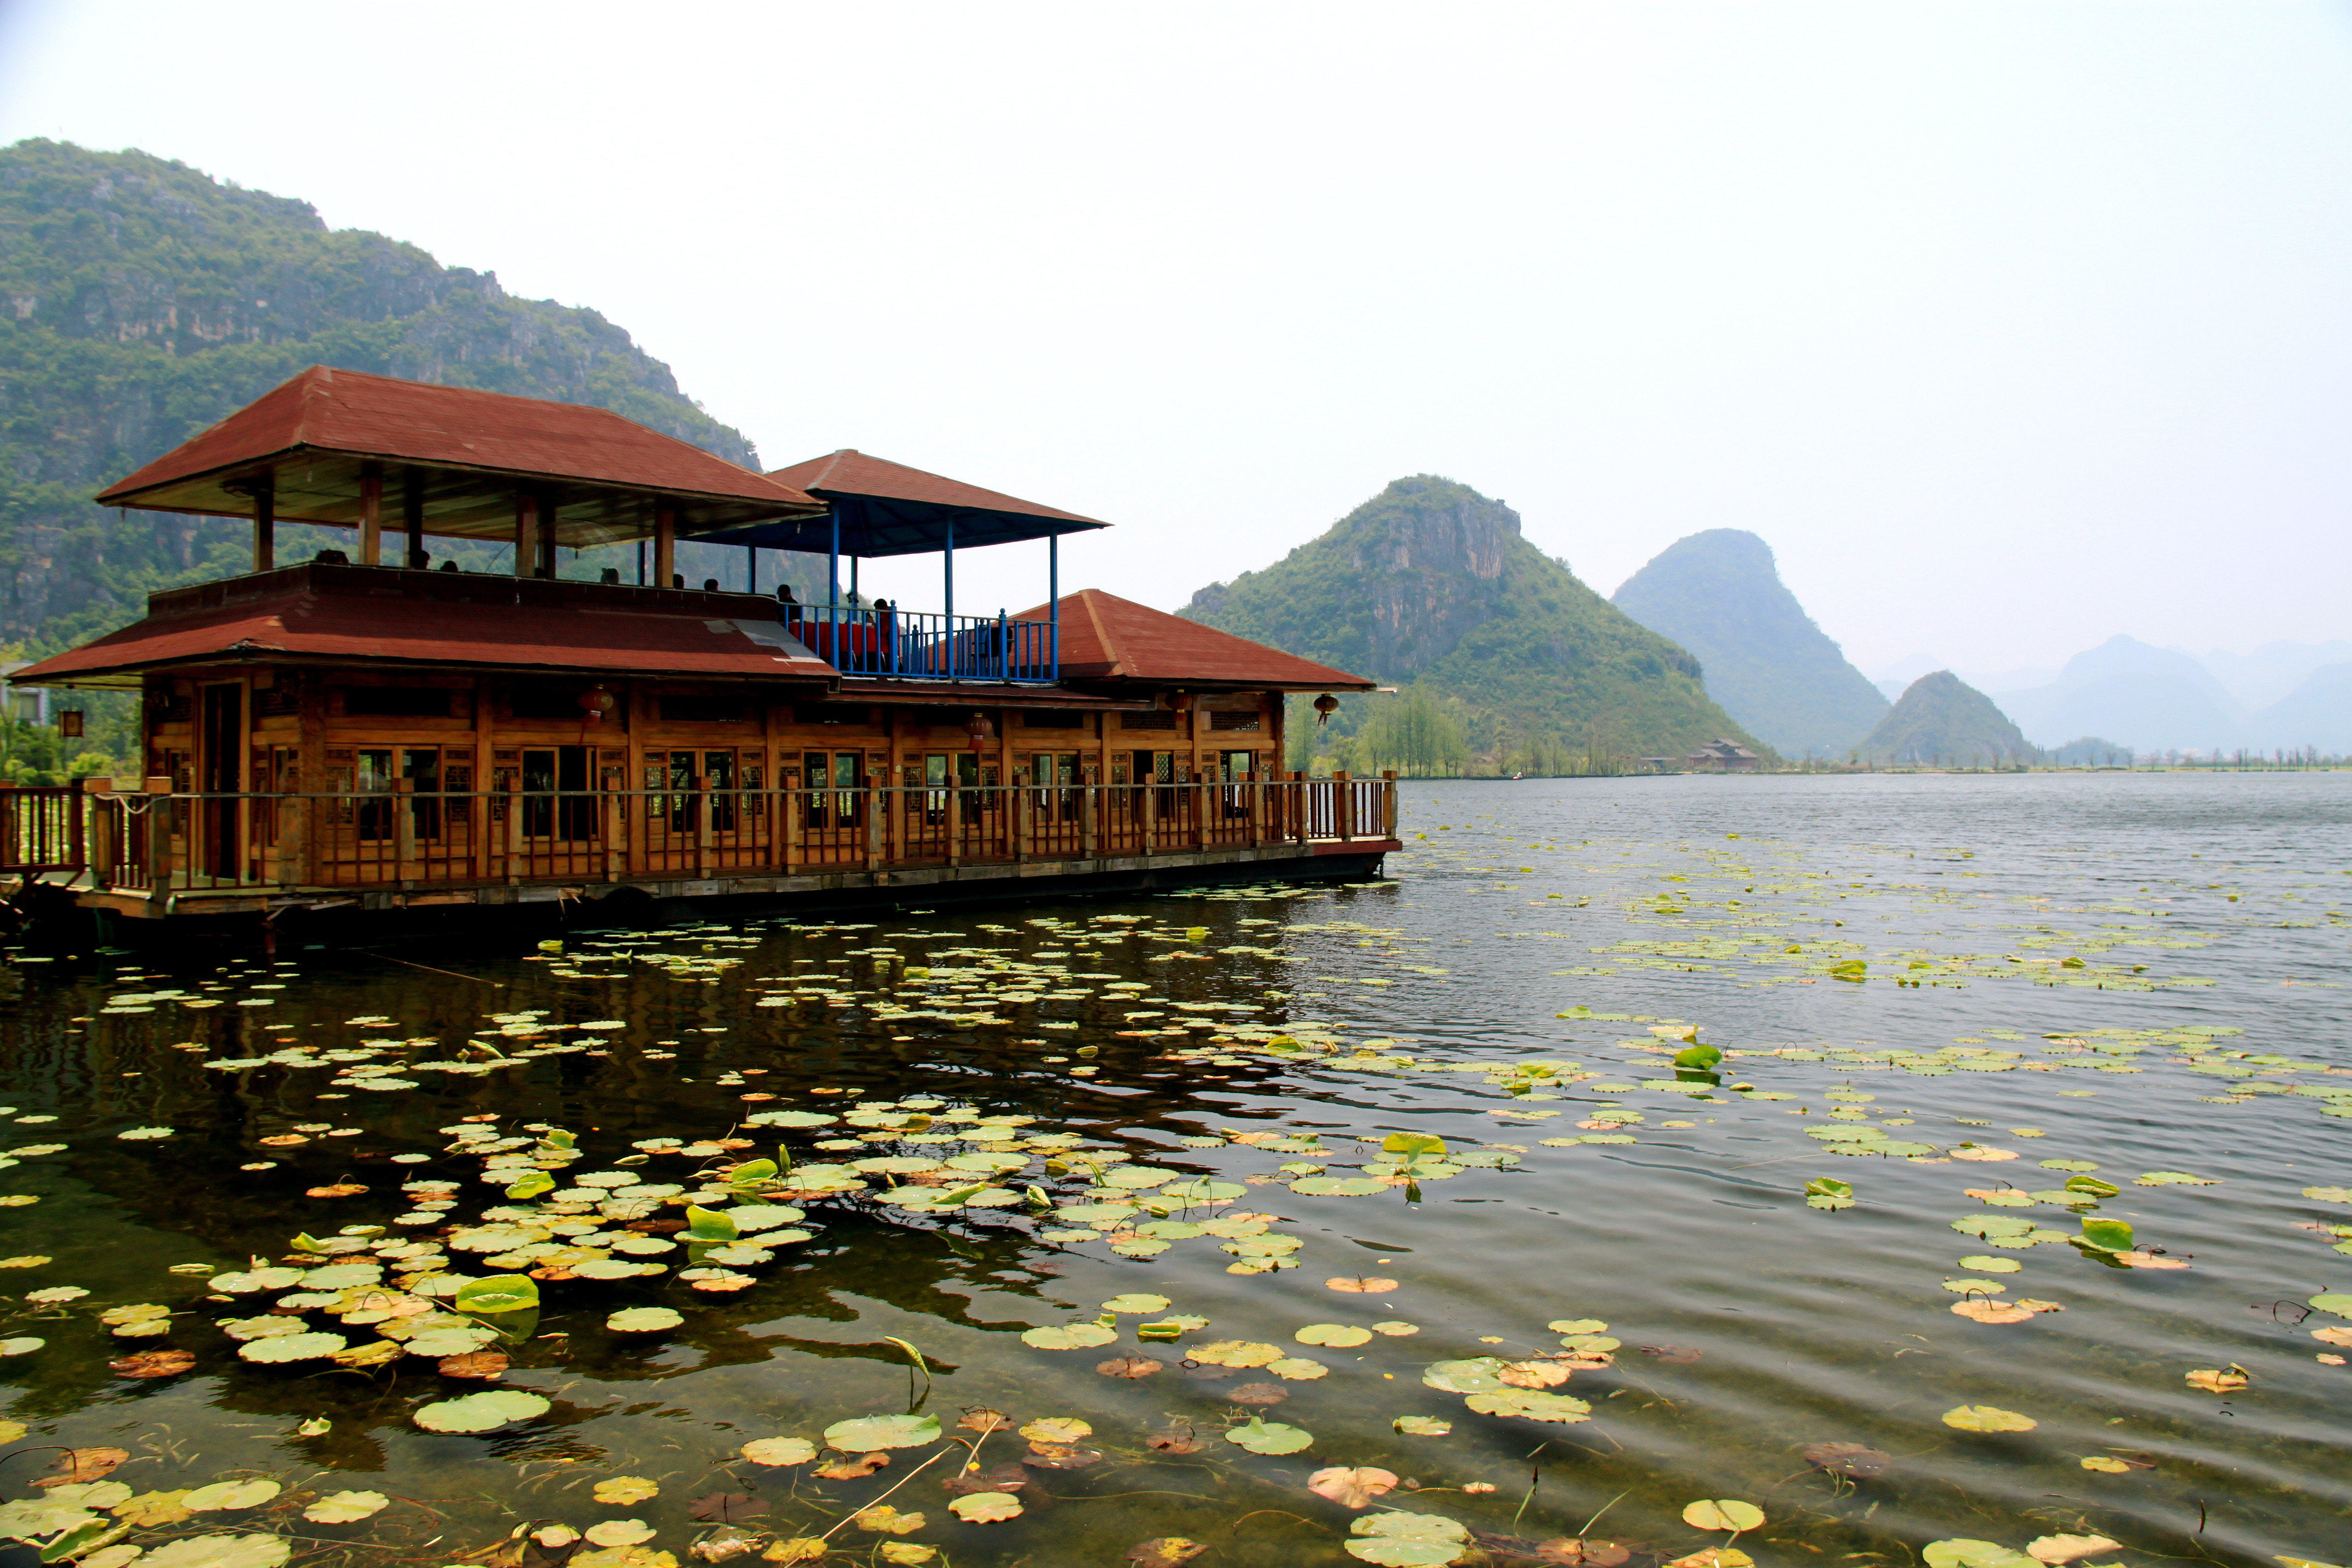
pixel 1605 1507
pixel 877 1502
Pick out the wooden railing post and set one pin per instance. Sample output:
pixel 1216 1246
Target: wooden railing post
pixel 702 805
pixel 874 803
pixel 293 837
pixel 1388 804
pixel 403 830
pixel 1088 838
pixel 1025 806
pixel 955 827
pixel 510 861
pixel 1343 805
pixel 612 832
pixel 1257 787
pixel 789 801
pixel 1148 818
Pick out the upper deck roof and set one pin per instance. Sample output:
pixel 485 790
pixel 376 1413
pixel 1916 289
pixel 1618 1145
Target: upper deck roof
pixel 602 475
pixel 1108 638
pixel 889 509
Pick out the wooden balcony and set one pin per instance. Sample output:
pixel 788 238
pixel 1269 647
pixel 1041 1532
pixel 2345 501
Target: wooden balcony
pixel 164 853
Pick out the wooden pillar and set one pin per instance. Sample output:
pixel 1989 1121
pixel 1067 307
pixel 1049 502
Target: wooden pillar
pixel 895 799
pixel 525 538
pixel 371 516
pixel 511 863
pixel 1257 787
pixel 1388 804
pixel 875 806
pixel 1343 805
pixel 547 510
pixel 702 805
pixel 265 523
pixel 1089 833
pixel 412 518
pixel 664 546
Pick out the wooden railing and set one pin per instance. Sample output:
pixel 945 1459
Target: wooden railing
pixel 406 837
pixel 41 829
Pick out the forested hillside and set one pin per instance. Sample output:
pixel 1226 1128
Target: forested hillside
pixel 143 299
pixel 1505 658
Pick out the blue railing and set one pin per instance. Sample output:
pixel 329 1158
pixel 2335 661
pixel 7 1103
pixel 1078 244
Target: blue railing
pixel 915 645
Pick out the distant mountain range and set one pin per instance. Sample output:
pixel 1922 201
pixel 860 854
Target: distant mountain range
pixel 1941 720
pixel 1429 585
pixel 2153 699
pixel 1720 595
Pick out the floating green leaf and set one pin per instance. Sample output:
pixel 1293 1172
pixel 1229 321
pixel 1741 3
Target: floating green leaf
pixel 223 1497
pixel 291 1347
pixel 1339 1336
pixel 345 1508
pixel 1260 1436
pixel 499 1293
pixel 868 1433
pixel 1723 1513
pixel 1398 1540
pixel 1965 1554
pixel 1422 1425
pixel 1068 1336
pixel 1989 1419
pixel 710 1227
pixel 484 1412
pixel 2106 1235
pixel 1476 1374
pixel 1529 1405
pixel 220 1551
pixel 1139 1302
pixel 644 1319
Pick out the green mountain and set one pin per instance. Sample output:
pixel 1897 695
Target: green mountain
pixel 1429 585
pixel 141 299
pixel 1943 721
pixel 1720 595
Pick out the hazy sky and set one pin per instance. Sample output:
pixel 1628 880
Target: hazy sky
pixel 2010 326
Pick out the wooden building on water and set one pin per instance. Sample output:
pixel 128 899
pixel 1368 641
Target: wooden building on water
pixel 362 730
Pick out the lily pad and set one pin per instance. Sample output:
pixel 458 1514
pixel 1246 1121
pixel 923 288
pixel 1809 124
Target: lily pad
pixel 868 1433
pixel 1259 1435
pixel 1987 1418
pixel 1530 1404
pixel 1722 1513
pixel 290 1347
pixel 780 1450
pixel 644 1319
pixel 221 1551
pixel 1339 1336
pixel 1398 1540
pixel 1476 1374
pixel 345 1508
pixel 225 1496
pixel 1068 1336
pixel 985 1508
pixel 485 1411
pixel 1139 1302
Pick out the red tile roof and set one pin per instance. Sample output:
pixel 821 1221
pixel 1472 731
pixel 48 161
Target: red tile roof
pixel 1106 637
pixel 853 473
pixel 388 617
pixel 350 414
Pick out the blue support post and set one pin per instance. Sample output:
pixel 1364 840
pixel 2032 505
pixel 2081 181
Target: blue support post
pixel 833 590
pixel 750 569
pixel 951 594
pixel 1054 603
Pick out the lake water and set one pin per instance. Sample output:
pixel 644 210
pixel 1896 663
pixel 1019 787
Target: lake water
pixel 2104 978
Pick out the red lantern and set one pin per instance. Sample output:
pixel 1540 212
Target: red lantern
pixel 981 730
pixel 1325 706
pixel 1182 702
pixel 595 704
